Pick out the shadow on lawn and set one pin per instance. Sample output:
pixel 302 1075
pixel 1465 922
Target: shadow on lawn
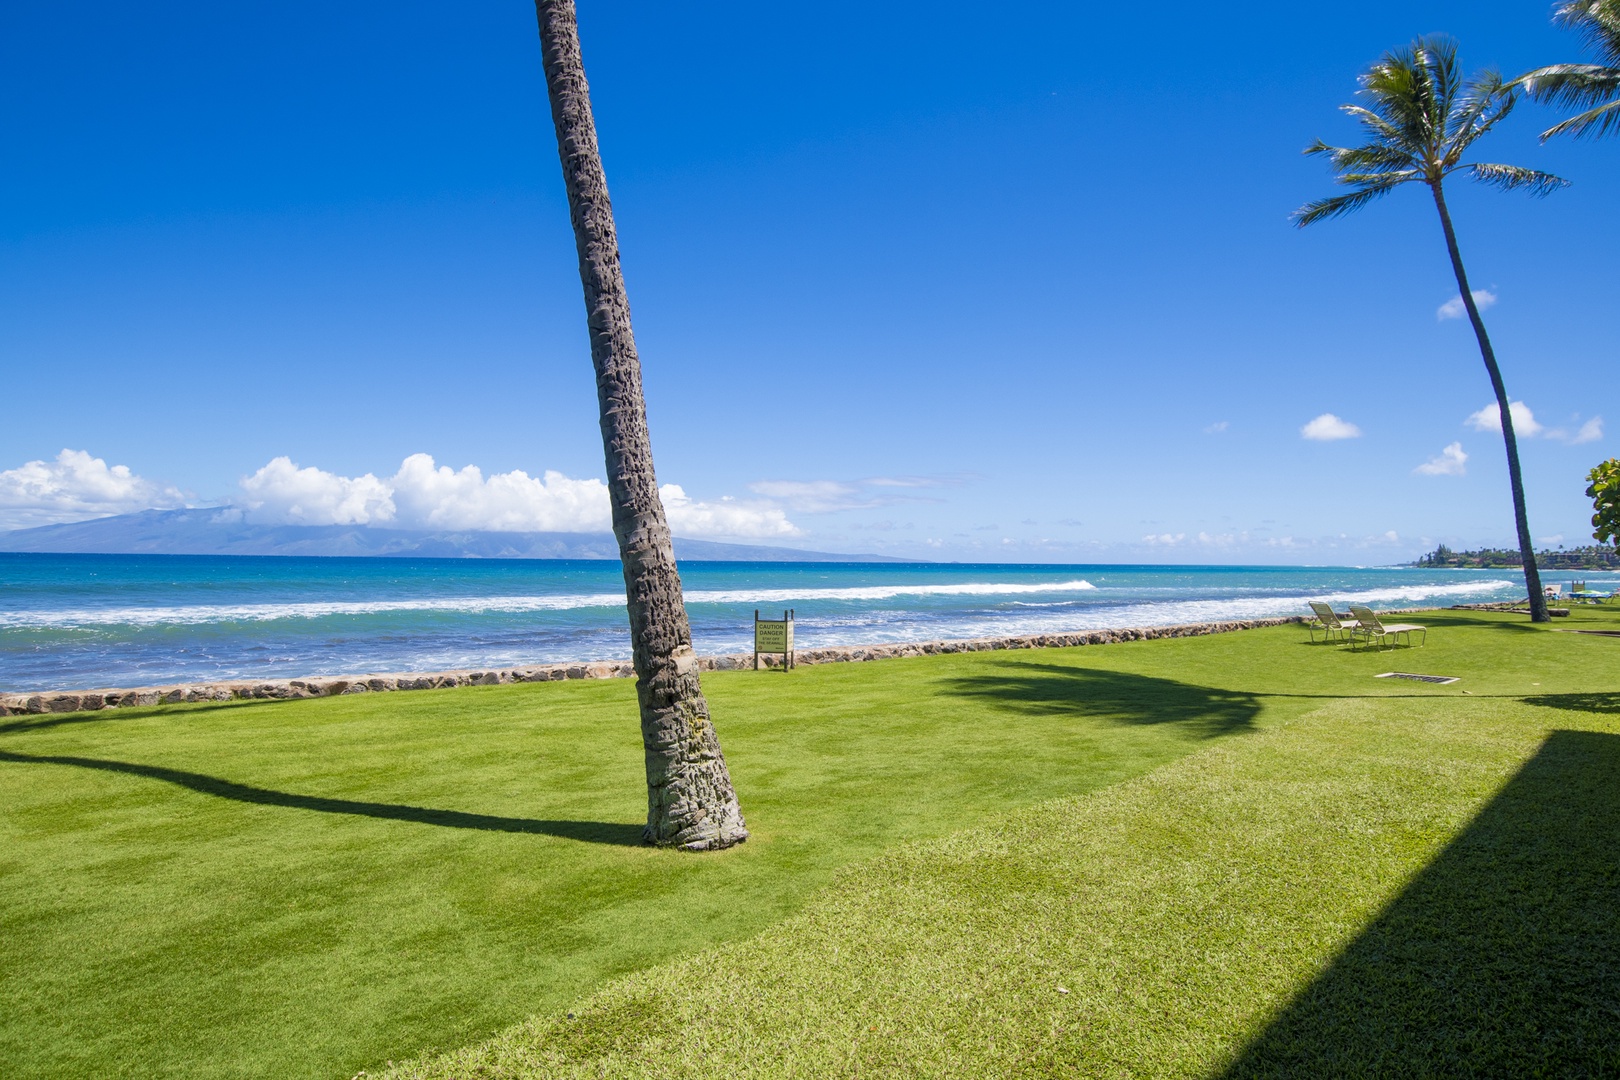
pixel 1502 958
pixel 45 721
pixel 1592 703
pixel 12 727
pixel 1448 619
pixel 1114 695
pixel 595 832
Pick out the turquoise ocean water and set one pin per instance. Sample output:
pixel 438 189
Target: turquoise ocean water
pixel 78 621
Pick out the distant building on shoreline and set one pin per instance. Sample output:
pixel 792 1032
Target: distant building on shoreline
pixel 1591 557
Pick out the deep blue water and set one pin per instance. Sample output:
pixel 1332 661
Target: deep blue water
pixel 74 621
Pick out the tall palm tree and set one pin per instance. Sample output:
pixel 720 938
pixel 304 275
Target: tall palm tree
pixel 1421 116
pixel 690 801
pixel 1592 87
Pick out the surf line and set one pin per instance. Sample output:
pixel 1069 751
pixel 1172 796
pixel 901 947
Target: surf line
pixel 334 686
pixel 196 614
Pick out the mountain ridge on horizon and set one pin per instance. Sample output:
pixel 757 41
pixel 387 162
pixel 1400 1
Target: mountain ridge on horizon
pixel 207 531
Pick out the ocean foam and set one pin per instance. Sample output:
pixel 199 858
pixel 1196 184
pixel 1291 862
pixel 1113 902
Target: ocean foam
pixel 1060 616
pixel 889 627
pixel 880 592
pixel 129 644
pixel 195 614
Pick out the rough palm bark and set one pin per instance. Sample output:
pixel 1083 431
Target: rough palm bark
pixel 690 801
pixel 1521 518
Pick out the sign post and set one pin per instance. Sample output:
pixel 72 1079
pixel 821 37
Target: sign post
pixel 774 636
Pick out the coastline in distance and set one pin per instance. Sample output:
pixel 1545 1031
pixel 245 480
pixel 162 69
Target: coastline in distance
pixel 213 531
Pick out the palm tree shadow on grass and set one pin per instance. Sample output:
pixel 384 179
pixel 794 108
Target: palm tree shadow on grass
pixel 1446 620
pixel 165 710
pixel 595 832
pixel 1592 703
pixel 1502 958
pixel 45 723
pixel 1116 696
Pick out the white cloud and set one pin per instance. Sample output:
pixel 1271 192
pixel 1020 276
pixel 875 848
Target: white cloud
pixel 1217 427
pixel 426 496
pixel 1456 309
pixel 1524 421
pixel 831 496
pixel 1225 544
pixel 1328 428
pixel 817 496
pixel 791 489
pixel 728 517
pixel 1451 461
pixel 438 497
pixel 75 487
pixel 916 481
pixel 283 494
pixel 1591 431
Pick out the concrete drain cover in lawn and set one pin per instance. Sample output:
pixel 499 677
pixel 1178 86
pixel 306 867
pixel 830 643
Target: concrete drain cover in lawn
pixel 1439 679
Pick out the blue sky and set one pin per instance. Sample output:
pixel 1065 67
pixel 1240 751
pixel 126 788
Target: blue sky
pixel 1011 283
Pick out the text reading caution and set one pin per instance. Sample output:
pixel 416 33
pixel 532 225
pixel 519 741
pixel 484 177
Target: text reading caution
pixel 773 636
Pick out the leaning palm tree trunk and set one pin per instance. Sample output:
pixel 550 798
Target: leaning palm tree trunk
pixel 690 802
pixel 1527 551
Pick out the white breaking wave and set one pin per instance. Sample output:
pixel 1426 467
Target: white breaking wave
pixel 888 627
pixel 1413 592
pixel 879 592
pixel 195 614
pixel 1262 607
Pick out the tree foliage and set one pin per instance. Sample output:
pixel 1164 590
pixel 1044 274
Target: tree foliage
pixel 1592 88
pixel 1421 118
pixel 1604 491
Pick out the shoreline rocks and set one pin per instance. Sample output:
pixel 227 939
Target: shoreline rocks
pixel 286 689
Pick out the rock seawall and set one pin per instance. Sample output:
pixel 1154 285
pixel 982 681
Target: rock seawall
pixel 282 689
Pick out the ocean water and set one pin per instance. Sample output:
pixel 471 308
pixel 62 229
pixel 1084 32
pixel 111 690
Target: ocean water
pixel 78 621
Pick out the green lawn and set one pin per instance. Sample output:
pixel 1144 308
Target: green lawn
pixel 1234 853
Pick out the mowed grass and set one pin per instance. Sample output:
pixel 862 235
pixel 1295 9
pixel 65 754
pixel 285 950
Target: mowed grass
pixel 1214 845
pixel 1411 883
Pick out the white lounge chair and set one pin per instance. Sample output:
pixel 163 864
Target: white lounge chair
pixel 1329 623
pixel 1371 628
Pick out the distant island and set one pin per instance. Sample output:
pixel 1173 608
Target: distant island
pixel 1593 557
pixel 220 530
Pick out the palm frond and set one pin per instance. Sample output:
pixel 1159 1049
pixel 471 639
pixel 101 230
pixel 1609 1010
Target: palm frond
pixel 1599 121
pixel 1598 24
pixel 1486 102
pixel 1437 85
pixel 1340 205
pixel 1572 85
pixel 1394 87
pixel 1380 128
pixel 1515 178
pixel 1379 179
pixel 1422 116
pixel 1592 87
pixel 1442 71
pixel 1376 157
